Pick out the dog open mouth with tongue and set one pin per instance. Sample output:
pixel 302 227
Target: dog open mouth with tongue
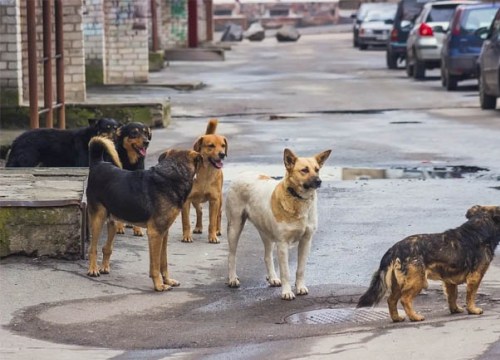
pixel 140 150
pixel 217 163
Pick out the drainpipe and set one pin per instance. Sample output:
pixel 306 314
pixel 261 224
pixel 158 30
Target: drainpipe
pixel 192 23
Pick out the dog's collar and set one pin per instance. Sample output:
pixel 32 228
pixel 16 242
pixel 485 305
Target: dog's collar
pixel 294 193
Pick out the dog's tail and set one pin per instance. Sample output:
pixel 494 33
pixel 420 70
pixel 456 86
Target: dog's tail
pixel 381 281
pixel 100 148
pixel 212 126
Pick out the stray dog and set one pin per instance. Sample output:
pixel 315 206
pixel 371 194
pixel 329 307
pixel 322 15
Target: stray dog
pixel 57 147
pixel 207 185
pixel 156 200
pixel 132 141
pixel 457 256
pixel 284 214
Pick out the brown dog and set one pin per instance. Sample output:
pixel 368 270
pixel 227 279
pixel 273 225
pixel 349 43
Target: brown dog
pixel 457 256
pixel 207 185
pixel 155 203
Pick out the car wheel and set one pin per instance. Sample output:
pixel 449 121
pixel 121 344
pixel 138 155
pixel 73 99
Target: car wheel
pixel 392 60
pixel 419 71
pixel 443 76
pixel 409 68
pixel 486 101
pixel 451 81
pixel 363 46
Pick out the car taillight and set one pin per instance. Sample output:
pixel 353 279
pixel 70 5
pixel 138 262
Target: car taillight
pixel 394 34
pixel 455 26
pixel 425 30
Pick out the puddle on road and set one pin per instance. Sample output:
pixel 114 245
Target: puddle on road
pixel 332 173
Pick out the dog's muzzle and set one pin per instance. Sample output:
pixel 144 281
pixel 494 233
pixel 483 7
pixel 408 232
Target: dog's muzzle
pixel 313 183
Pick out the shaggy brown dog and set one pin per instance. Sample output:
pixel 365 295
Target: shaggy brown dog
pixel 207 185
pixel 156 200
pixel 457 256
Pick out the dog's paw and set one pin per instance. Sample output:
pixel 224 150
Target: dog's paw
pixel 302 290
pixel 456 310
pixel 398 318
pixel 105 269
pixel 233 283
pixel 120 228
pixel 287 295
pixel 197 230
pixel 187 239
pixel 171 282
pixel 213 240
pixel 218 233
pixel 475 311
pixel 93 272
pixel 163 287
pixel 417 317
pixel 138 231
pixel 274 282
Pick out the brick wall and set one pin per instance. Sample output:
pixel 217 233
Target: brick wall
pixel 126 41
pixel 10 53
pixel 74 70
pixel 93 33
pixel 174 19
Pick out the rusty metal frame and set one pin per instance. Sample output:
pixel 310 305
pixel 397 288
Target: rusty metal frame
pixel 49 105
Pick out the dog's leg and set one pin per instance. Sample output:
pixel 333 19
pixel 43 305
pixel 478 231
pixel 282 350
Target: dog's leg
pixel 303 253
pixel 186 226
pixel 219 217
pixel 137 231
pixel 235 223
pixel 164 264
pixel 97 217
pixel 155 240
pixel 415 281
pixel 272 278
pixel 392 300
pixel 120 227
pixel 451 291
pixel 198 229
pixel 473 280
pixel 214 208
pixel 286 289
pixel 107 249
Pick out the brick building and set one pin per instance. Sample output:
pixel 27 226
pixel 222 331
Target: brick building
pixel 104 42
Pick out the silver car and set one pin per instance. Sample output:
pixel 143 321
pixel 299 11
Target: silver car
pixel 423 48
pixel 376 26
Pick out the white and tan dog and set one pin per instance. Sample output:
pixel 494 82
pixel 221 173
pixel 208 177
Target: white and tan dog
pixel 284 213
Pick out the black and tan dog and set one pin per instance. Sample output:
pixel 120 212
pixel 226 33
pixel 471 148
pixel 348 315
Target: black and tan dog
pixel 457 256
pixel 58 148
pixel 207 185
pixel 132 141
pixel 156 200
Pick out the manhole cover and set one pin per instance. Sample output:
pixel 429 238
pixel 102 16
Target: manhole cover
pixel 337 316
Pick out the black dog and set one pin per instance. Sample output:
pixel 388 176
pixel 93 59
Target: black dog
pixel 132 141
pixel 151 198
pixel 57 147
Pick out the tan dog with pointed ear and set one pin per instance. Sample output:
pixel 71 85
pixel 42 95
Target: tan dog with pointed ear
pixel 207 185
pixel 284 213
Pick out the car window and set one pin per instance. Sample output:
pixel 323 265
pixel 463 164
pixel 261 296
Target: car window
pixel 494 32
pixel 441 13
pixel 409 10
pixel 478 18
pixel 377 15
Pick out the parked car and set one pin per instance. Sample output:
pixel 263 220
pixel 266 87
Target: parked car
pixel 462 45
pixel 489 66
pixel 375 28
pixel 423 48
pixel 360 15
pixel 406 13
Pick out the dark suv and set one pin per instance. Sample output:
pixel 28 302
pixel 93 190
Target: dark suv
pixel 489 67
pixel 406 14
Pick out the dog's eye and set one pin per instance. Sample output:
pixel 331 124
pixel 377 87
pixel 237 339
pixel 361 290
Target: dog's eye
pixel 134 133
pixel 211 146
pixel 316 169
pixel 305 171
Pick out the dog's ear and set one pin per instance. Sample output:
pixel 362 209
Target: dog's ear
pixel 197 158
pixel 321 157
pixel 149 134
pixel 225 142
pixel 473 211
pixel 163 155
pixel 289 158
pixel 93 122
pixel 197 145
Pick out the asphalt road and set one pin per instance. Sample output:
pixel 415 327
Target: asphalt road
pixel 317 94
